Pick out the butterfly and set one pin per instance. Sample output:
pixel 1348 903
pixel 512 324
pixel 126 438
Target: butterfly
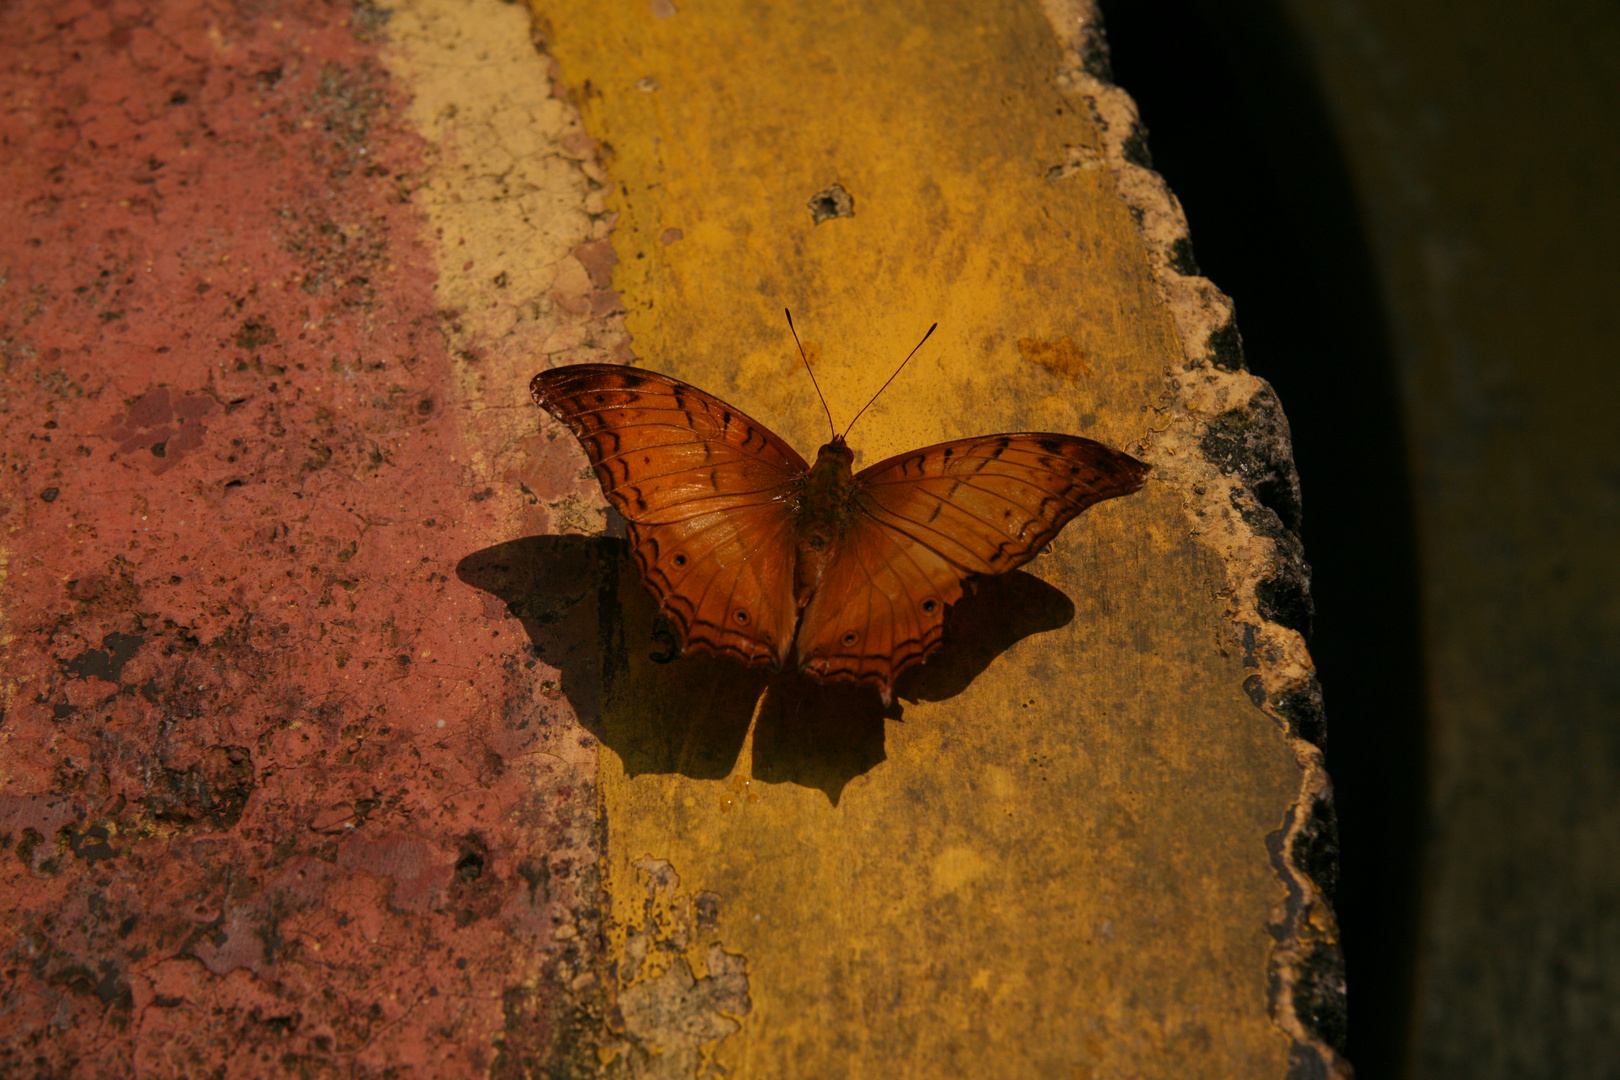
pixel 756 554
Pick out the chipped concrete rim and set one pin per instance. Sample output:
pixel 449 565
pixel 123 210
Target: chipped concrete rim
pixel 1208 385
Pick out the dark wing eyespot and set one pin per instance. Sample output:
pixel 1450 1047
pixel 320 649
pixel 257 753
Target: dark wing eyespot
pixel 930 605
pixel 849 637
pixel 741 617
pixel 680 560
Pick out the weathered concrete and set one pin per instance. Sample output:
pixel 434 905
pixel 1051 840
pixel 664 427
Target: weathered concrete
pixel 277 791
pixel 317 639
pixel 1080 855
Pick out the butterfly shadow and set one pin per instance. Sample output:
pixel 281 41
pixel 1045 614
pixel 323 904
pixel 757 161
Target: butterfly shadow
pixel 582 605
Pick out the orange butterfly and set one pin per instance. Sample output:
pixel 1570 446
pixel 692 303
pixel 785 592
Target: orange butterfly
pixel 756 554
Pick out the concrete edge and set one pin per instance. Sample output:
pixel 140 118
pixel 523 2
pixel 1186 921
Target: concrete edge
pixel 1221 441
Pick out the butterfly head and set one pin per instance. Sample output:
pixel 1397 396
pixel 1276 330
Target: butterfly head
pixel 829 479
pixel 837 451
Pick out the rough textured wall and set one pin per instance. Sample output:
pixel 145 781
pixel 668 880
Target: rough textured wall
pixel 277 792
pixel 312 632
pixel 1098 848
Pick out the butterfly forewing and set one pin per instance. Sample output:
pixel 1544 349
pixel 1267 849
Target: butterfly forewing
pixel 703 489
pixel 989 504
pixel 932 518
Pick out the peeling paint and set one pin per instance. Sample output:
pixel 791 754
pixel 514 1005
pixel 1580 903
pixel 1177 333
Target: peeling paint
pixel 514 199
pixel 680 992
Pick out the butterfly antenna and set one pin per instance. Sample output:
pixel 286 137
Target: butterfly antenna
pixel 830 425
pixel 897 371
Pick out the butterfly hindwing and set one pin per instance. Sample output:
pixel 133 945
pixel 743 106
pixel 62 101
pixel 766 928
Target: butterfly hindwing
pixel 929 520
pixel 702 488
pixel 879 608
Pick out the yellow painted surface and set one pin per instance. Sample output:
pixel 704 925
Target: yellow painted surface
pixel 1053 864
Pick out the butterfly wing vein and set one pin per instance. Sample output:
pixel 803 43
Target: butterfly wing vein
pixel 931 520
pixel 702 488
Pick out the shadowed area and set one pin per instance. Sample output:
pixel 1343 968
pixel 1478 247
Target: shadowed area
pixel 586 614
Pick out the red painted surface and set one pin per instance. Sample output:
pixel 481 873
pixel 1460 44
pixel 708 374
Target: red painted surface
pixel 278 794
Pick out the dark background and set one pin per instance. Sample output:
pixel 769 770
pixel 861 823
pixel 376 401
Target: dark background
pixel 1414 206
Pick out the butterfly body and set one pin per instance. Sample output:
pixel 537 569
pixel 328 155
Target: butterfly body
pixel 823 512
pixel 754 553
